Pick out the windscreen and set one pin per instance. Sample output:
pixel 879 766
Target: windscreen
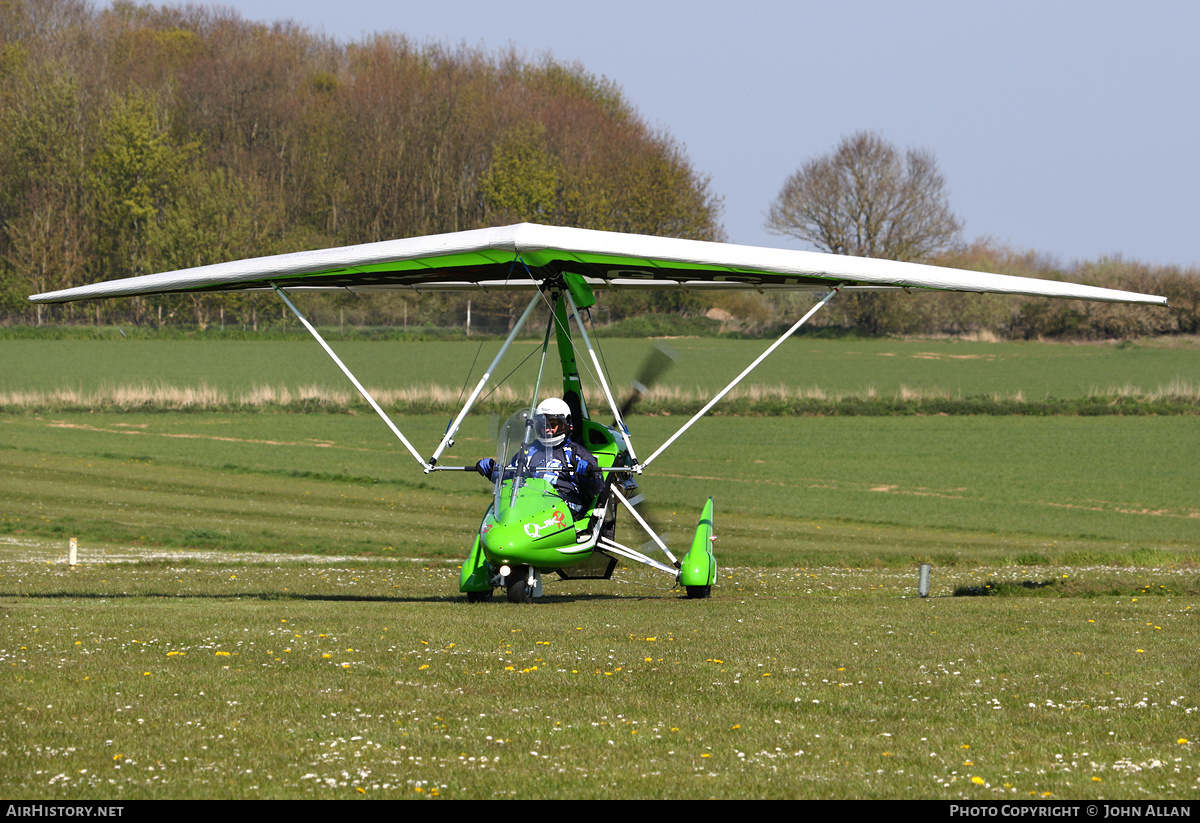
pixel 514 434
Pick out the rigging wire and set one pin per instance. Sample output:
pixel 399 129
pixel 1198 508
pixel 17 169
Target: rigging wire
pixel 537 388
pixel 501 382
pixel 470 372
pixel 579 360
pixel 478 351
pixel 603 360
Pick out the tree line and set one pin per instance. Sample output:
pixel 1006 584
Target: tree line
pixel 138 139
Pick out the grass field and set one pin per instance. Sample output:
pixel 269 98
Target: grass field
pixel 268 607
pixel 820 490
pixel 958 367
pixel 343 679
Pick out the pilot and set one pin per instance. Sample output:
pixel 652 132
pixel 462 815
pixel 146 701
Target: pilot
pixel 555 457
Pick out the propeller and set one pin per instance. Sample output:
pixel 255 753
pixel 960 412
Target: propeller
pixel 661 358
pixel 656 363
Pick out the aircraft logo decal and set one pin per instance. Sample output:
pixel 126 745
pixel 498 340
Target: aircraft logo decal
pixel 534 530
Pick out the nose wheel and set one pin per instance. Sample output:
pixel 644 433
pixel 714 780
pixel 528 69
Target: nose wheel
pixel 520 587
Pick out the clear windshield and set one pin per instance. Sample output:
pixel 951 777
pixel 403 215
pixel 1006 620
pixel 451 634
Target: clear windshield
pixel 514 434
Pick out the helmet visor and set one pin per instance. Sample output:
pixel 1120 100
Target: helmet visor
pixel 550 429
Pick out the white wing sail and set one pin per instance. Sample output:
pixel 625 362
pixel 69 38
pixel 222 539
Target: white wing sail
pixel 522 255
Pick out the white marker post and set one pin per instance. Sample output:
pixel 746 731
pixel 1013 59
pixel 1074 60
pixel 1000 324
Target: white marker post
pixel 72 552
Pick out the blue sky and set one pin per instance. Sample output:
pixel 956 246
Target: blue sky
pixel 1069 128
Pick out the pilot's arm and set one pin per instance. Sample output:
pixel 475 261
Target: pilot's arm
pixel 588 477
pixel 488 466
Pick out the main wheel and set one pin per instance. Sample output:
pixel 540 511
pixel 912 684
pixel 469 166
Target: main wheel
pixel 518 590
pixel 479 597
pixel 699 592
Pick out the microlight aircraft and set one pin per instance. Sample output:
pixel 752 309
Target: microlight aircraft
pixel 529 530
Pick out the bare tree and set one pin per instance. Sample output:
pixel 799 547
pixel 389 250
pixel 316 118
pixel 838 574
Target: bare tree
pixel 868 200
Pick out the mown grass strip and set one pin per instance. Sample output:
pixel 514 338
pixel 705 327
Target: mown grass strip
pixel 886 492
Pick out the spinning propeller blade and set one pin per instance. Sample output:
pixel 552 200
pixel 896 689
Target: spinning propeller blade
pixel 661 358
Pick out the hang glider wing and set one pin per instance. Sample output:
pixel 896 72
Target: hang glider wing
pixel 519 256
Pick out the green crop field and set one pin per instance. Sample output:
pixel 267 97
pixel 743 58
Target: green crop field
pixel 267 602
pixel 835 366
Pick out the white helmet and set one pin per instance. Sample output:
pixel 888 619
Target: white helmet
pixel 552 421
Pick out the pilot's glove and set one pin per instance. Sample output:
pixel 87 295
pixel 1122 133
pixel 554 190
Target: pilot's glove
pixel 485 467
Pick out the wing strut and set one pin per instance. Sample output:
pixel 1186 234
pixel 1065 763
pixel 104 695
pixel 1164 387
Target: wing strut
pixel 738 379
pixel 354 380
pixel 646 526
pixel 613 547
pixel 612 404
pixel 450 432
